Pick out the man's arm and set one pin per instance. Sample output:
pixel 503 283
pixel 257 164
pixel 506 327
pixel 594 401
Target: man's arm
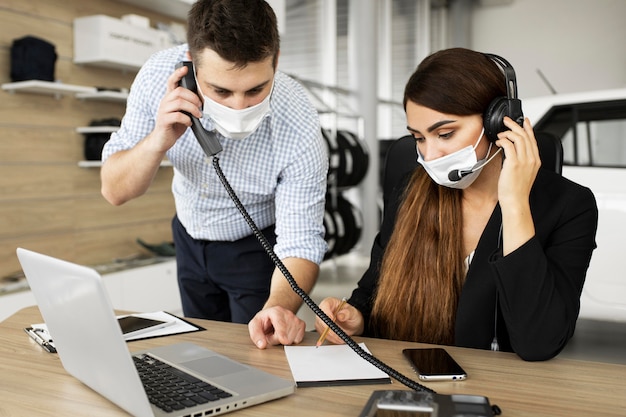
pixel 128 174
pixel 281 294
pixel 277 323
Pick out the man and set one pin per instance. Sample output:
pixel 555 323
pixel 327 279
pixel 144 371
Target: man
pixel 273 155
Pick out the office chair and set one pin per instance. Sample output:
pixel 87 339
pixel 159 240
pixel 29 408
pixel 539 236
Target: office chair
pixel 402 158
pixel 550 151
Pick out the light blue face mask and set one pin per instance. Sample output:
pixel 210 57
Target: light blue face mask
pixel 458 169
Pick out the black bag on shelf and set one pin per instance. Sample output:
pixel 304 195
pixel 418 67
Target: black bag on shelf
pixel 32 58
pixel 94 142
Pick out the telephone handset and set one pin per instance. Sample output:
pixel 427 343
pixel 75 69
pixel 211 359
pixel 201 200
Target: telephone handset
pixel 207 140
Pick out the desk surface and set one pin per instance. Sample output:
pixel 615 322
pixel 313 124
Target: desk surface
pixel 33 382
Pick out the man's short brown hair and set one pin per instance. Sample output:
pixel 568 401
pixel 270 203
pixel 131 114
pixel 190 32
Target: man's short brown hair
pixel 239 31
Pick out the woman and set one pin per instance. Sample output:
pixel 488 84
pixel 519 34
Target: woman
pixel 495 260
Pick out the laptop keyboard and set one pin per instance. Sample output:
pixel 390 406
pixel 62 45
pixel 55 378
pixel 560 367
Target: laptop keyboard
pixel 171 389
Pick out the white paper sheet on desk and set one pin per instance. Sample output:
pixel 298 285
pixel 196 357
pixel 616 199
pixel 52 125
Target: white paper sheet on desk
pixel 179 326
pixel 331 365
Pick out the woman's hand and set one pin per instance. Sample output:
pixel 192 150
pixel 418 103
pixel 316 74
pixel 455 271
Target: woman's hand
pixel 519 170
pixel 348 318
pixel 521 162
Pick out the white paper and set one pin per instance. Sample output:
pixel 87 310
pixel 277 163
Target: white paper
pixel 330 363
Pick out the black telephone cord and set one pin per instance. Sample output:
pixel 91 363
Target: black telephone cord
pixel 305 297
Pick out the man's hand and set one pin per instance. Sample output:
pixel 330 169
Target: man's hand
pixel 276 326
pixel 171 122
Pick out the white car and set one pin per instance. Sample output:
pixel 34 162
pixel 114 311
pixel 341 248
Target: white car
pixel 592 128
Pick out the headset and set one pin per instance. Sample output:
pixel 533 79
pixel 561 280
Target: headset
pixel 503 106
pixel 498 108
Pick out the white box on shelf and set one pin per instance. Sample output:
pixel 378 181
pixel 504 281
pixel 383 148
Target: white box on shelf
pixel 136 20
pixel 108 42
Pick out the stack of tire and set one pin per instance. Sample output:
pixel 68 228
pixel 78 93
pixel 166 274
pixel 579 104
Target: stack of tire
pixel 348 164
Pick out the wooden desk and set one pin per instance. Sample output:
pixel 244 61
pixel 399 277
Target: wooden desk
pixel 33 382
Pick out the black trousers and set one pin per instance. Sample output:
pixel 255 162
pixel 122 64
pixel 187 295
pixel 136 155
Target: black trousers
pixel 219 280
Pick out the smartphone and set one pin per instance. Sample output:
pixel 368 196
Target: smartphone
pixel 434 364
pixel 136 325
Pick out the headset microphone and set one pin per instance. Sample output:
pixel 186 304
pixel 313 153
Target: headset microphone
pixel 457 174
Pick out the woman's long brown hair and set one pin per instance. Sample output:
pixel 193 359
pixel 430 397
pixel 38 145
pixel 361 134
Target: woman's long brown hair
pixel 422 271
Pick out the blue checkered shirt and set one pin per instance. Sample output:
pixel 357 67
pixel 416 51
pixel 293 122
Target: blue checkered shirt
pixel 279 172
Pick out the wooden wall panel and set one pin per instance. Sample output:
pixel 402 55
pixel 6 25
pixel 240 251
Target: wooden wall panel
pixel 38 181
pixel 89 247
pixel 53 30
pixel 26 109
pixel 47 202
pixel 46 215
pixel 108 244
pixel 94 213
pixel 34 183
pixel 26 143
pixel 35 217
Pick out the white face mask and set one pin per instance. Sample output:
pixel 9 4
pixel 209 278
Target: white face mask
pixel 462 160
pixel 236 124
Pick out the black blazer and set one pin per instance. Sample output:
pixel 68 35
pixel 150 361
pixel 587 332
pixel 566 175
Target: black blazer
pixel 536 288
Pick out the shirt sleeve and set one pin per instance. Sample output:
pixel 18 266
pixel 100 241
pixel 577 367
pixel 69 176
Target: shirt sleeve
pixel 144 97
pixel 300 203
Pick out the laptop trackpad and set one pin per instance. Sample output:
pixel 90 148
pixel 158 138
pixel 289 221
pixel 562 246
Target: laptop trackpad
pixel 213 366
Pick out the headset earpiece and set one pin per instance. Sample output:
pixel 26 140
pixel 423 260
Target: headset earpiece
pixel 492 119
pixel 503 106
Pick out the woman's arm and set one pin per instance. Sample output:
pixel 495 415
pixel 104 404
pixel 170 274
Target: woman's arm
pixel 539 284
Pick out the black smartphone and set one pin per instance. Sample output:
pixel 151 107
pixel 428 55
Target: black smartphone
pixel 135 325
pixel 434 364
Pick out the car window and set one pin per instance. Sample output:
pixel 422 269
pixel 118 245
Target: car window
pixel 593 134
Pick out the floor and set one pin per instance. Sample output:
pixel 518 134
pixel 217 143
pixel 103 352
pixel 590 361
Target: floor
pixel 593 340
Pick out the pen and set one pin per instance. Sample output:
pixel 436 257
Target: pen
pixel 40 341
pixel 320 341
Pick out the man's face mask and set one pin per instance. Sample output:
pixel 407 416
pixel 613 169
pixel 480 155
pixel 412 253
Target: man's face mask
pixel 463 160
pixel 236 124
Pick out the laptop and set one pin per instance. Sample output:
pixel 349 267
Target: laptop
pixel 81 320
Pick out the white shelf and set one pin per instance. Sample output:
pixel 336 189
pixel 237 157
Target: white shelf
pixel 46 87
pixel 90 164
pixel 97 129
pixel 98 164
pixel 116 96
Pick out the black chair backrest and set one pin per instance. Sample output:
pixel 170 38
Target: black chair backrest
pixel 550 151
pixel 402 157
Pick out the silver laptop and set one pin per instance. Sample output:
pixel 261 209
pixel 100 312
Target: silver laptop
pixel 76 308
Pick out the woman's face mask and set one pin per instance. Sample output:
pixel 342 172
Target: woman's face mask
pixel 236 124
pixel 462 160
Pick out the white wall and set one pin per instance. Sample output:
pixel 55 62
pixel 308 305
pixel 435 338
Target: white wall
pixel 577 44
